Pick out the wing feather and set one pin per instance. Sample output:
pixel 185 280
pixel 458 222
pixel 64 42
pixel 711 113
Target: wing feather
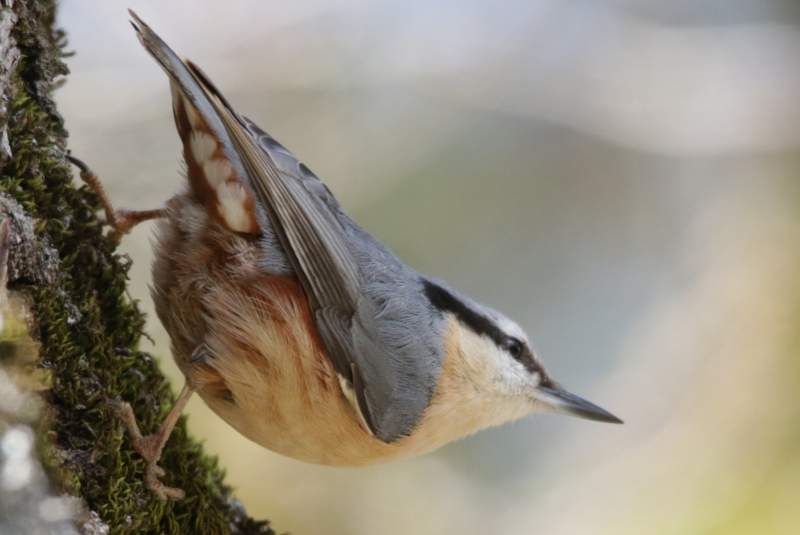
pixel 314 241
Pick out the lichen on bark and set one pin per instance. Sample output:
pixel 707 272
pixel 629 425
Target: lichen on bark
pixel 86 326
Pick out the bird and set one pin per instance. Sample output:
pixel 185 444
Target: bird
pixel 296 326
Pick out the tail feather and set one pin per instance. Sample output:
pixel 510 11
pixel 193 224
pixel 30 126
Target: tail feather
pixel 215 170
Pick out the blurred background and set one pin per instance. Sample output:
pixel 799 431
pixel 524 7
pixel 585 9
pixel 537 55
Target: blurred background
pixel 621 176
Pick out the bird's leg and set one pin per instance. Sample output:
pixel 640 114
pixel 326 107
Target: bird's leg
pixel 151 446
pixel 122 221
pixel 200 372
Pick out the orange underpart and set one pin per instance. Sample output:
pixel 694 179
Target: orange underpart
pixel 273 289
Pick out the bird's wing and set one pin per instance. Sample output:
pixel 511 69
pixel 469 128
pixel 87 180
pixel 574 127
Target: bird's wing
pixel 380 332
pixel 307 219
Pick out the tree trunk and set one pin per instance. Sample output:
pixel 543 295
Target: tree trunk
pixel 58 435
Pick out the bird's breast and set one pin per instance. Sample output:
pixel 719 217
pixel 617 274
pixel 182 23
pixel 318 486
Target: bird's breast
pixel 266 372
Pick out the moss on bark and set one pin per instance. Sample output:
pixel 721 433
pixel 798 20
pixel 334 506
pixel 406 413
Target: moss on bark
pixel 87 326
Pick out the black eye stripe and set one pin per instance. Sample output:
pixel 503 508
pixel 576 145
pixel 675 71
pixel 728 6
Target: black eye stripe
pixel 447 302
pixel 478 323
pixel 514 346
pixel 521 352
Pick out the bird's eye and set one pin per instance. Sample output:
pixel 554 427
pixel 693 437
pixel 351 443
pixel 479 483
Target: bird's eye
pixel 514 347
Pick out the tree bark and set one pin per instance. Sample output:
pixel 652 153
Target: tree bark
pixel 58 435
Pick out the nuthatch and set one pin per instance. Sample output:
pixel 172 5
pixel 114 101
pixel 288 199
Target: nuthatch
pixel 297 327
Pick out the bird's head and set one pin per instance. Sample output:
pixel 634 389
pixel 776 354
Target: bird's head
pixel 492 362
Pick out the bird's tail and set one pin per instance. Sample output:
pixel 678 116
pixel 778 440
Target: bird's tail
pixel 215 170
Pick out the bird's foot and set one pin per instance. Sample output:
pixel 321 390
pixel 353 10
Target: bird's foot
pixel 121 221
pixel 151 446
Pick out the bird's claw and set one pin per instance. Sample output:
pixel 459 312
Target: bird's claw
pixel 149 447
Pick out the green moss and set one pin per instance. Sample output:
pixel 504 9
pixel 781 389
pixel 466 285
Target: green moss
pixel 88 327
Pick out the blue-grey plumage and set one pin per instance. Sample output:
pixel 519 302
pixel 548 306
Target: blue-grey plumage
pixel 288 276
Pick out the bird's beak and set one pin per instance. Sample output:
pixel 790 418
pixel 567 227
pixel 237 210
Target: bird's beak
pixel 559 400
